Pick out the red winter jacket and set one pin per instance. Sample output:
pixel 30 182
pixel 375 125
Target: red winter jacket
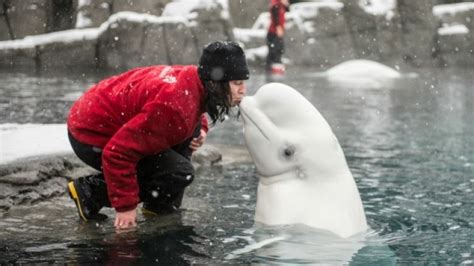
pixel 277 15
pixel 138 113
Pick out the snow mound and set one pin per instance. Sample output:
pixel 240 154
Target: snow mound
pixel 362 73
pixel 18 141
pixel 363 68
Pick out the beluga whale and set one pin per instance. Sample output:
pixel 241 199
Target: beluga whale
pixel 303 174
pixel 363 74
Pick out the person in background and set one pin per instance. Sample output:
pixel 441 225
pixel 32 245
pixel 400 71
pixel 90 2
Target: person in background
pixel 275 36
pixel 139 129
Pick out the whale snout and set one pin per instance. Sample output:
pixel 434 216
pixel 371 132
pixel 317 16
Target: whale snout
pixel 246 106
pixel 246 103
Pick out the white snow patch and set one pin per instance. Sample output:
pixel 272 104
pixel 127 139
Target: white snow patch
pixel 378 7
pixel 453 30
pixel 183 8
pixel 308 10
pixel 245 35
pixel 362 74
pixel 255 54
pixel 452 9
pixel 82 21
pixel 140 18
pixel 18 141
pixel 66 36
pixel 362 68
pixel 82 3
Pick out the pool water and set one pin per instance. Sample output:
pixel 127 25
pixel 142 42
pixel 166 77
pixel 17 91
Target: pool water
pixel 409 143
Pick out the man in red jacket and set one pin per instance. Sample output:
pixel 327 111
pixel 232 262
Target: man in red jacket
pixel 275 36
pixel 140 128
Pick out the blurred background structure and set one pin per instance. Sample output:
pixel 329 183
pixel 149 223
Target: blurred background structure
pixel 118 34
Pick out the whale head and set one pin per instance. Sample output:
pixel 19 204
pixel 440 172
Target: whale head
pixel 304 177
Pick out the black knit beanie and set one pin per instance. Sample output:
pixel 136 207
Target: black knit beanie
pixel 223 61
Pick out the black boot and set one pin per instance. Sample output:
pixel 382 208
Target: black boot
pixel 90 195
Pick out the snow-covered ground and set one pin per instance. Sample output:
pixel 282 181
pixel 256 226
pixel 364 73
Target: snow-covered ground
pixel 19 141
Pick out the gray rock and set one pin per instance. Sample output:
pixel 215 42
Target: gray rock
pixel 120 46
pixel 456 50
pixel 29 17
pixel 53 187
pixel 419 31
pixel 327 21
pixel 18 58
pixel 5 205
pixel 153 7
pixel 128 43
pixel 243 13
pixel 210 24
pixel 93 13
pixel 155 45
pixel 21 178
pixel 322 52
pixel 364 30
pixel 389 39
pixel 319 37
pixel 250 38
pixel 26 196
pixel 31 181
pixel 72 55
pixel 6 190
pixel 4 30
pixel 207 156
pixel 407 34
pixel 181 44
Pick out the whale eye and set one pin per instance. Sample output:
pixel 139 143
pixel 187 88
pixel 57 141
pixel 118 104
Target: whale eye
pixel 288 152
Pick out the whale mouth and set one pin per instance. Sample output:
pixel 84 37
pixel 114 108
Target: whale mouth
pixel 270 180
pixel 246 116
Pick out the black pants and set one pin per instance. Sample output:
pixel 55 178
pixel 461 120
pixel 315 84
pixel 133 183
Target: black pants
pixel 276 49
pixel 162 178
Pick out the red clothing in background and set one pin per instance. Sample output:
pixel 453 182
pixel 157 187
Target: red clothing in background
pixel 277 15
pixel 135 114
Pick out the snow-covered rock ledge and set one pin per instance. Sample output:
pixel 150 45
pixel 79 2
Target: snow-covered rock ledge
pixel 29 181
pixel 36 161
pixel 125 40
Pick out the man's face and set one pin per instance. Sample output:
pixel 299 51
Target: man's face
pixel 237 91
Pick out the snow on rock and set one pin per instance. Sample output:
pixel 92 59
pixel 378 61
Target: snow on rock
pixel 66 36
pixel 250 38
pixel 183 8
pixel 140 18
pixel 308 10
pixel 258 54
pixel 19 141
pixel 452 9
pixel 378 7
pixel 453 30
pixel 454 18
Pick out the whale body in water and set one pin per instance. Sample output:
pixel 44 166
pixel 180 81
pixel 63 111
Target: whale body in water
pixel 365 68
pixel 363 74
pixel 303 174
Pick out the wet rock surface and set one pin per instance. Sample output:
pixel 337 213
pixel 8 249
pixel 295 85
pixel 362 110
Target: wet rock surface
pixel 35 180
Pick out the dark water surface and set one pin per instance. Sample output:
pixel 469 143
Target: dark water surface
pixel 409 144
